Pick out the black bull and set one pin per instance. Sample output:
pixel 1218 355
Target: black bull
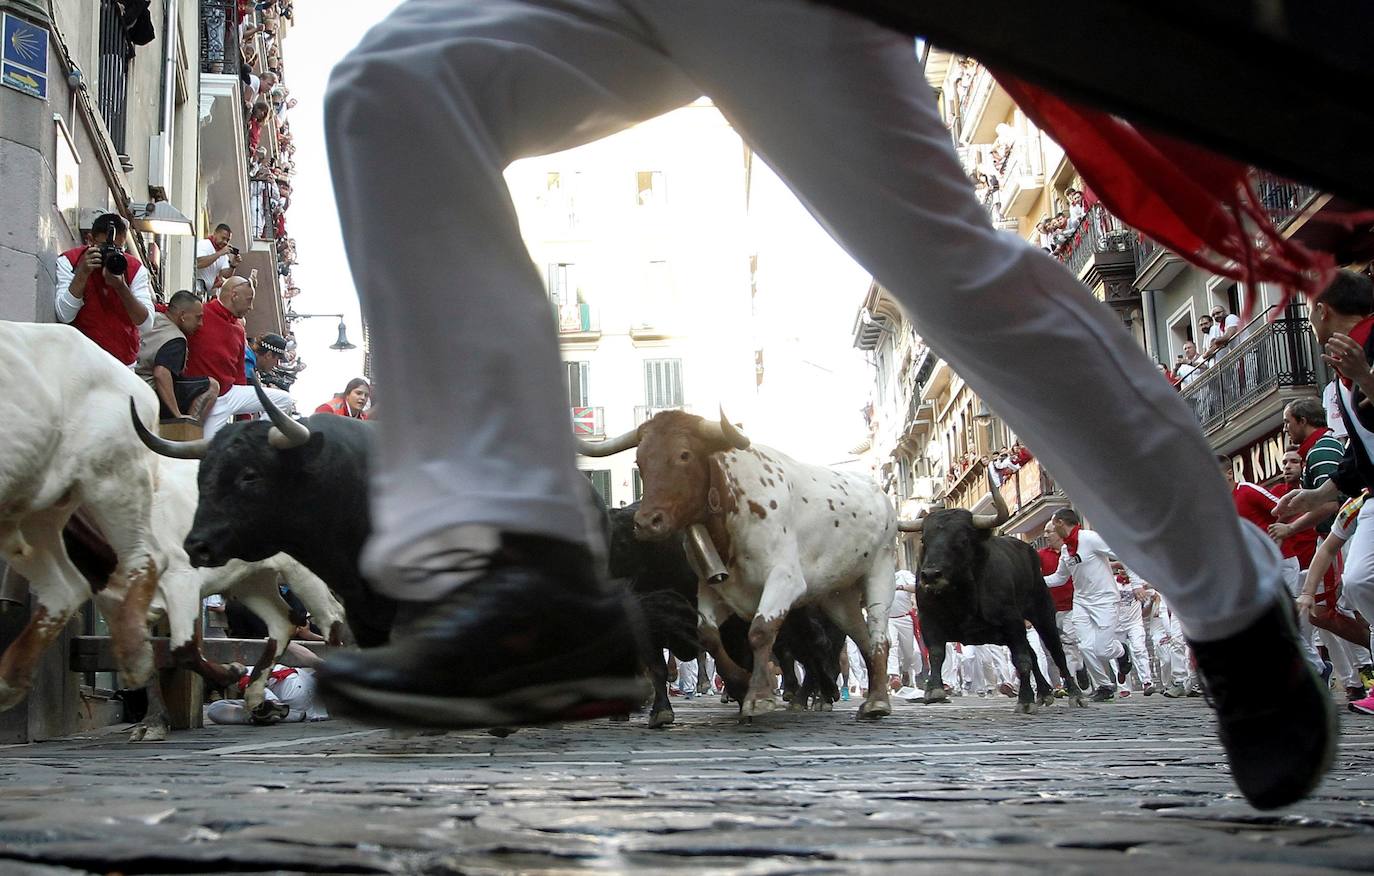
pixel 977 588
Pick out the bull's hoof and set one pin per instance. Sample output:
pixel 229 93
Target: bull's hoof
pixel 137 733
pixel 796 706
pixel 871 711
pixel 154 732
pixel 936 695
pixel 661 717
pixel 826 706
pixel 1046 699
pixel 1078 700
pixel 758 706
pixel 703 688
pixel 503 732
pixel 724 699
pixel 620 718
pixel 1025 709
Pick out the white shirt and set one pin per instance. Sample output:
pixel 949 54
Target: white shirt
pixel 1093 578
pixel 68 305
pixel 1334 421
pixel 210 275
pixel 901 600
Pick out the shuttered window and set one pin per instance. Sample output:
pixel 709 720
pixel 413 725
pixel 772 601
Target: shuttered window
pixel 663 383
pixel 578 392
pixel 636 485
pixel 601 480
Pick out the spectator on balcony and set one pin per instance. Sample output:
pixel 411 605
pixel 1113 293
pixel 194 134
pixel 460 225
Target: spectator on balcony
pixel 1002 467
pixel 1077 209
pixel 218 351
pixel 256 120
pixel 162 361
pixel 352 402
pixel 216 259
pixel 1045 237
pixel 110 308
pixel 1224 329
pixel 1166 373
pixel 1019 454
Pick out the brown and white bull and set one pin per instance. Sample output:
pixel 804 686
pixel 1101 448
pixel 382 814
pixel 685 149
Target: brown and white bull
pixel 790 534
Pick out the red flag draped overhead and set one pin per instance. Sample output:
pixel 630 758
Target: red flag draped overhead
pixel 1197 203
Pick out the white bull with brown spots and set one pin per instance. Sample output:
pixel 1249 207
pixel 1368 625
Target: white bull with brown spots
pixel 67 446
pixel 790 534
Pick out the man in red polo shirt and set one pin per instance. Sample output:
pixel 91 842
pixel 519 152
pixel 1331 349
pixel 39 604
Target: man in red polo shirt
pixel 217 351
pixel 1063 611
pixel 111 309
pixel 1256 504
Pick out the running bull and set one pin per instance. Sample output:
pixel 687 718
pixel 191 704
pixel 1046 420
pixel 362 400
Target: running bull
pixel 979 588
pixel 790 534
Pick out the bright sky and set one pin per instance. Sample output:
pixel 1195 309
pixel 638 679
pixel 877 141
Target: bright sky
pixel 817 382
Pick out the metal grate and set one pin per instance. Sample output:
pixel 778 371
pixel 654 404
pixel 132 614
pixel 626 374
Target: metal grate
pixel 219 37
pixel 116 52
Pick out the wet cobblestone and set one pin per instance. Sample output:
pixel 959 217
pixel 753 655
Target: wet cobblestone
pixel 1137 786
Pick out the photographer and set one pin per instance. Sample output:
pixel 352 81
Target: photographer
pixel 263 356
pixel 216 258
pixel 103 291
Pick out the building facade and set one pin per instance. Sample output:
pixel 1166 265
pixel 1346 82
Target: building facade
pixel 640 240
pixel 106 110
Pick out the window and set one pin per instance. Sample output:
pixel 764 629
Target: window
pixel 553 182
pixel 578 375
pixel 663 383
pixel 636 484
pixel 561 288
pixel 113 83
pixel 601 480
pixel 649 187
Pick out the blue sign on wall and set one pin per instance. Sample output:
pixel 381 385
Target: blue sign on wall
pixel 24 57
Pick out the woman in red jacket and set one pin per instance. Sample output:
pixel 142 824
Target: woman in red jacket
pixel 350 402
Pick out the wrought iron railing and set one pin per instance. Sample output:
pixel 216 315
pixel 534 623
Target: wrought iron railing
pixel 1100 231
pixel 112 94
pixel 1267 357
pixel 1281 198
pixel 263 209
pixel 647 412
pixel 219 37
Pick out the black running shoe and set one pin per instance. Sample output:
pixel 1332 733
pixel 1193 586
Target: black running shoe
pixel 1103 694
pixel 1279 736
pixel 535 639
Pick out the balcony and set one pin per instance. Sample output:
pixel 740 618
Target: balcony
pixel 1268 358
pixel 1022 181
pixel 588 422
pixel 985 105
pixel 219 37
pixel 1282 199
pixel 1024 493
pixel 223 151
pixel 1102 241
pixel 644 413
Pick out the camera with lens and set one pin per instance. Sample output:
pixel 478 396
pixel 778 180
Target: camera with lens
pixel 277 378
pixel 112 259
pixel 234 249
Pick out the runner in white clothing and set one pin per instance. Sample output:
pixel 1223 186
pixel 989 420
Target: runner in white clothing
pixel 1086 558
pixel 903 656
pixel 1130 627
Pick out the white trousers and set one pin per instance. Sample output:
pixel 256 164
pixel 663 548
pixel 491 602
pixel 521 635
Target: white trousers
pixel 1167 637
pixel 858 669
pixel 243 400
pixel 1097 642
pixel 1357 580
pixel 1294 577
pixel 423 116
pixel 903 656
pixel 1130 632
pixel 1068 637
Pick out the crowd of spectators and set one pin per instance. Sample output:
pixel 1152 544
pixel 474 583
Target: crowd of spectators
pixel 1216 331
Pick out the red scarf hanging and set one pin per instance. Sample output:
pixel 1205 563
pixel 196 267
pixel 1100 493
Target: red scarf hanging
pixel 1071 541
pixel 1193 201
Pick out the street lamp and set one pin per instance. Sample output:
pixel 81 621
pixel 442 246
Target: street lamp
pixel 159 217
pixel 342 343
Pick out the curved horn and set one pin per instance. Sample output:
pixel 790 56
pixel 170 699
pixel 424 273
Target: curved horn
pixel 161 446
pixel 910 525
pixel 286 432
pixel 992 521
pixel 723 432
pixel 610 446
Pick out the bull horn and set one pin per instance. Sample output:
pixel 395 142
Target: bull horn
pixel 992 521
pixel 910 525
pixel 286 432
pixel 163 447
pixel 609 447
pixel 723 432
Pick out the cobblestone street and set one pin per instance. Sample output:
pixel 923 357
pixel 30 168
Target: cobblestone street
pixel 1132 787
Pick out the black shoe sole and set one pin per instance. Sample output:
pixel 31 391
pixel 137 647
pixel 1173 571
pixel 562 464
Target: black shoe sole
pixel 580 699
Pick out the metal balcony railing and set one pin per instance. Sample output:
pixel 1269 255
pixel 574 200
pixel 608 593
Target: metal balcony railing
pixel 1281 198
pixel 1267 357
pixel 1028 484
pixel 263 209
pixel 112 95
pixel 219 37
pixel 1099 232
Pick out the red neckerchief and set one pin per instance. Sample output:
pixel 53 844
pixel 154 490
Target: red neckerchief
pixel 1071 541
pixel 1360 335
pixel 1312 439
